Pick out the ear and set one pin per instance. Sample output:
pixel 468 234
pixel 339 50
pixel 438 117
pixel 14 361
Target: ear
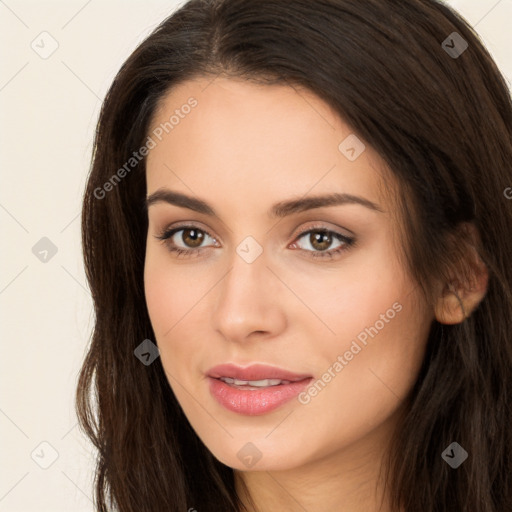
pixel 460 297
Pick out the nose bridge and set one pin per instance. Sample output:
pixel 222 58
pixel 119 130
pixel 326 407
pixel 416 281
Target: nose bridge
pixel 247 300
pixel 246 276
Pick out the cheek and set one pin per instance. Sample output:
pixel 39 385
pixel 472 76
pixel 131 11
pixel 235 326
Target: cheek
pixel 375 359
pixel 381 326
pixel 171 291
pixel 160 301
pixel 361 384
pixel 363 298
pixel 175 296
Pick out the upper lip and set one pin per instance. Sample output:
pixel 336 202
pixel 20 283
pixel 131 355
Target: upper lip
pixel 254 372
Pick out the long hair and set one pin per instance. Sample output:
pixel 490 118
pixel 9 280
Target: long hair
pixel 441 121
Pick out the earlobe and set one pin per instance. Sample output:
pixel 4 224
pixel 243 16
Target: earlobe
pixel 458 301
pixel 448 308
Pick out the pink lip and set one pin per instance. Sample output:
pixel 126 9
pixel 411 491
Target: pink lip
pixel 254 372
pixel 253 402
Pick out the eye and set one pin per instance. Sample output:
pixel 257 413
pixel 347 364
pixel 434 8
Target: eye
pixel 319 239
pixel 186 241
pixel 191 239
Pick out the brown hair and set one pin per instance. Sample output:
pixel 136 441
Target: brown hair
pixel 442 124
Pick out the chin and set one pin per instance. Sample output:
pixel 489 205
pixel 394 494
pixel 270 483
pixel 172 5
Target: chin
pixel 258 455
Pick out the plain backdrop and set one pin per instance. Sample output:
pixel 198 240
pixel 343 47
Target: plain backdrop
pixel 49 105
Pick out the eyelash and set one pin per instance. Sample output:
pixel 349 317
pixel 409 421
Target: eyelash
pixel 348 242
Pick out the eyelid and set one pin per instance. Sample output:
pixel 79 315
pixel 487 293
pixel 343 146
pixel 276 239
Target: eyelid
pixel 167 233
pixel 323 226
pixel 318 225
pixel 349 240
pixel 184 225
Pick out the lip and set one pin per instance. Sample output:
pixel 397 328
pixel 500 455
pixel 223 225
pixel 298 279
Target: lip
pixel 254 372
pixel 253 402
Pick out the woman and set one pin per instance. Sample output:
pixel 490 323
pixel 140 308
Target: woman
pixel 297 234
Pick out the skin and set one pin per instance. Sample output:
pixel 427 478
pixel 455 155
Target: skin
pixel 243 148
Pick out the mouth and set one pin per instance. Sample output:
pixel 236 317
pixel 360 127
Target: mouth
pixel 254 373
pixel 254 390
pixel 253 384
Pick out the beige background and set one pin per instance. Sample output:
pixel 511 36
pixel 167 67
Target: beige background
pixel 49 109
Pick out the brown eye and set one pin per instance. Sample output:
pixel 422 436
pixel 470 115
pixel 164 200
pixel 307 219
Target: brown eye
pixel 186 241
pixel 320 240
pixel 192 237
pixel 319 243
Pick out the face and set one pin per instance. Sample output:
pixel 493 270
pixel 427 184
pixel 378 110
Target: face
pixel 247 266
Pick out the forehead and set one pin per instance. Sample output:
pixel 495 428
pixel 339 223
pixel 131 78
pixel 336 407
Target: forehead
pixel 238 139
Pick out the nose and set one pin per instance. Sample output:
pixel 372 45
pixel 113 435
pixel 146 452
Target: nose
pixel 249 303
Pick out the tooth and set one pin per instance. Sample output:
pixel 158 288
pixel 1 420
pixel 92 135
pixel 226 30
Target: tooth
pixel 265 382
pixel 259 383
pixel 254 383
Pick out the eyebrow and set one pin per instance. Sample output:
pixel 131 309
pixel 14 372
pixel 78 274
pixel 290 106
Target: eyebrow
pixel 281 209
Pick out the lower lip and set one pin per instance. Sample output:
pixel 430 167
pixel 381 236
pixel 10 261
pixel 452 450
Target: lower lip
pixel 258 401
